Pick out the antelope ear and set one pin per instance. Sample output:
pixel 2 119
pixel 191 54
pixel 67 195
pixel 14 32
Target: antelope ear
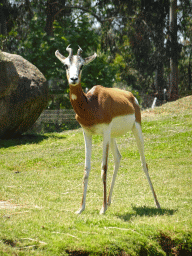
pixel 60 56
pixel 89 59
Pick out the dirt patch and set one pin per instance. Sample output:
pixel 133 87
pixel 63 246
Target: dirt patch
pixel 9 242
pixel 172 247
pixel 77 253
pixel 83 253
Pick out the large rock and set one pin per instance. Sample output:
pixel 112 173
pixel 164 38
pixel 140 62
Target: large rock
pixel 23 94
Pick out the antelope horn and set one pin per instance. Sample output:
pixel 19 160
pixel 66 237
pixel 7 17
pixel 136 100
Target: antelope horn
pixel 70 51
pixel 59 56
pixel 79 51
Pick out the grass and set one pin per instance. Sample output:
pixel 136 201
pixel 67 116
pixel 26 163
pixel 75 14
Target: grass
pixel 41 188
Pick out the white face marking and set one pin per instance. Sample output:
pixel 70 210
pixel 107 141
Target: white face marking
pixel 73 69
pixel 73 65
pixel 73 97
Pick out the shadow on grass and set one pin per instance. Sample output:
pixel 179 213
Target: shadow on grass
pixel 26 139
pixel 146 211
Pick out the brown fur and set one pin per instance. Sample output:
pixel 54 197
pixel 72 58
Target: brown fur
pixel 101 105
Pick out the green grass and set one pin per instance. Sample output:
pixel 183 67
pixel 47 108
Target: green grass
pixel 41 188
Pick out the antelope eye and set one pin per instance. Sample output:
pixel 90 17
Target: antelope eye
pixel 66 67
pixel 81 67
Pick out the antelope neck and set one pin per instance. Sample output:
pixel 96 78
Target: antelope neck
pixel 80 103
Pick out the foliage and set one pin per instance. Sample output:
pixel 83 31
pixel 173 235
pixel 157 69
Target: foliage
pixel 140 32
pixel 33 43
pixel 185 84
pixel 131 38
pixel 40 49
pixel 99 72
pixel 41 188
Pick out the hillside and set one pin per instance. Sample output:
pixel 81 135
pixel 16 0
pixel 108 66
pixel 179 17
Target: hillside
pixel 41 188
pixel 175 107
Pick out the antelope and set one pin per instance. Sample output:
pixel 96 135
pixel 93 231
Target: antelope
pixel 109 112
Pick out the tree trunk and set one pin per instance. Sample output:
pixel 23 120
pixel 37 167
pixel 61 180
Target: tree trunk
pixel 173 89
pixel 52 10
pixel 159 78
pixel 159 81
pixel 3 26
pixel 189 75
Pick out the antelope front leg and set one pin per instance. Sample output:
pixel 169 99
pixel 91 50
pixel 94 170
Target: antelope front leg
pixel 106 139
pixel 88 147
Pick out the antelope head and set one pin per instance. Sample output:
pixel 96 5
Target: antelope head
pixel 74 64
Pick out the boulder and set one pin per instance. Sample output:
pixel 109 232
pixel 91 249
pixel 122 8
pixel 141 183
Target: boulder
pixel 23 94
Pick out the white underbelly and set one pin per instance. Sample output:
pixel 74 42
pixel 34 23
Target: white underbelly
pixel 119 126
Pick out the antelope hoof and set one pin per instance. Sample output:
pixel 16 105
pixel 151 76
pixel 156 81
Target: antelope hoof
pixel 158 205
pixel 80 211
pixel 103 210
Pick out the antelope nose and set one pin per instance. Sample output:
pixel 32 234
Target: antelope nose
pixel 74 79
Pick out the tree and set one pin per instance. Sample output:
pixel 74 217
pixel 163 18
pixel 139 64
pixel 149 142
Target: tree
pixel 8 12
pixel 38 46
pixel 173 88
pixel 133 38
pixel 185 81
pixel 3 11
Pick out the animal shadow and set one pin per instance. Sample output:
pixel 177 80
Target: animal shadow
pixel 146 211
